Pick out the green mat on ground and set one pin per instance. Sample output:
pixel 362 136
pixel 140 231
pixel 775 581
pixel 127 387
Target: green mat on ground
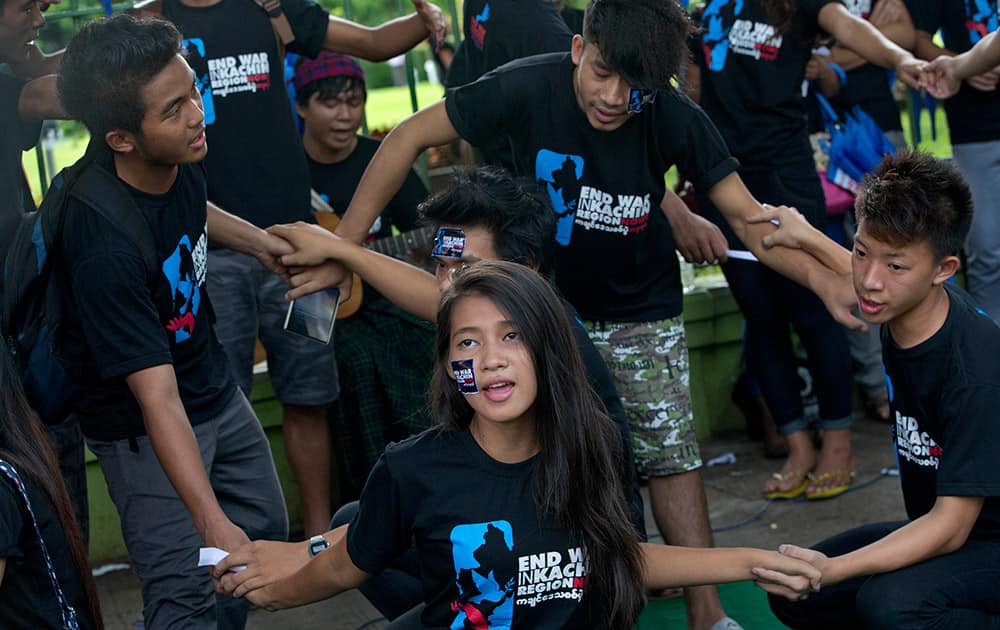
pixel 743 601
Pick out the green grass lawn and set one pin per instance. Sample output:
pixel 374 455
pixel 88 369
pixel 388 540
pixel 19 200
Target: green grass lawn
pixel 387 106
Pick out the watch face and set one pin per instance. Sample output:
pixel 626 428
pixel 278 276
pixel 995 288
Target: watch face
pixel 317 544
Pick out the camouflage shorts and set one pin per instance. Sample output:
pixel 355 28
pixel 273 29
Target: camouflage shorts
pixel 649 361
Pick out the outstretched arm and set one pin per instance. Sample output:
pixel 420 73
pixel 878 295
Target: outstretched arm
pixel 329 573
pixel 668 566
pixel 864 39
pixel 944 75
pixel 390 165
pixel 797 233
pixel 389 39
pixel 410 288
pixel 39 100
pixel 942 530
pixel 232 232
pixel 176 448
pixel 893 20
pixel 832 285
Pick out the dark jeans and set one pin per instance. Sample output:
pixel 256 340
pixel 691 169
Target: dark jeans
pixel 772 303
pixel 956 591
pixel 397 588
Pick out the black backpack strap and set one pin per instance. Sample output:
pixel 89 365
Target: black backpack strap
pixel 104 192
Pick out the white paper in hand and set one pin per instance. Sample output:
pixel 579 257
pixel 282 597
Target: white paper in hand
pixel 211 556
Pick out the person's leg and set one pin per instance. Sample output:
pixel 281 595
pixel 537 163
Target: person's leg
pixel 161 539
pixel 231 287
pixel 833 607
pixel 246 486
pixel 771 360
pixel 649 362
pixel 956 591
pixel 829 362
pixel 67 443
pixel 980 163
pixel 304 376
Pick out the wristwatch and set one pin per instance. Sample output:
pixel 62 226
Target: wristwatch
pixel 317 544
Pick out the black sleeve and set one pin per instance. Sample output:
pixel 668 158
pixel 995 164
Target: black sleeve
pixel 11 522
pixel 403 207
pixel 968 460
pixel 702 155
pixel 380 531
pixel 510 39
pixel 22 135
pixel 114 304
pixel 309 22
pixel 458 71
pixel 481 110
pixel 927 15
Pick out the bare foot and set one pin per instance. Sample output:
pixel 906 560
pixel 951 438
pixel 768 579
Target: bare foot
pixel 834 467
pixel 801 460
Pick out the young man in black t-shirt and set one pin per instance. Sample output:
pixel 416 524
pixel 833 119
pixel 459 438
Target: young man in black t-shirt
pixel 383 353
pixel 186 461
pixel 974 125
pixel 598 133
pixel 940 568
pixel 257 170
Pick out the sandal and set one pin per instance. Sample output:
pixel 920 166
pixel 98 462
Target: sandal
pixel 790 493
pixel 832 491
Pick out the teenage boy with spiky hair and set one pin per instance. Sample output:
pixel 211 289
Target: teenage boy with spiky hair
pixel 940 568
pixel 598 127
pixel 186 461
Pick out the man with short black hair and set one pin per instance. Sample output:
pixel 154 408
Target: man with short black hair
pixel 186 461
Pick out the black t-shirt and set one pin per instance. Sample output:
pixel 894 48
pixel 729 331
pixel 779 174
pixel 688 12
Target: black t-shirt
pixel 751 79
pixel 27 598
pixel 498 31
pixel 943 394
pixel 868 85
pixel 256 165
pixel 15 137
pixel 121 325
pixel 487 559
pixel 615 255
pixel 337 182
pixel 973 116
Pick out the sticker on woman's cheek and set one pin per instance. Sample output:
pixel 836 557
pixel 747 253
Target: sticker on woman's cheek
pixel 465 376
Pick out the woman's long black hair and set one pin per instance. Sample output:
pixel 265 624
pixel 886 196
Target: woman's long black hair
pixel 576 474
pixel 25 446
pixel 779 13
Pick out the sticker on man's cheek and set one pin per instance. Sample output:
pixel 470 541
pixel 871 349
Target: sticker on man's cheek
pixel 639 99
pixel 465 376
pixel 449 243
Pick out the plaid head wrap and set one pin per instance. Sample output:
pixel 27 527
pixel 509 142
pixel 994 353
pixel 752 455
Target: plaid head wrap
pixel 326 64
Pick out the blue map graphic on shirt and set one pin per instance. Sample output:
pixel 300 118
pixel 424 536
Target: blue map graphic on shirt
pixel 561 175
pixel 982 18
pixel 485 572
pixel 717 20
pixel 195 48
pixel 180 272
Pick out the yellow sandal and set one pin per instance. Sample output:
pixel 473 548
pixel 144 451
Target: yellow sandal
pixel 832 491
pixel 791 493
